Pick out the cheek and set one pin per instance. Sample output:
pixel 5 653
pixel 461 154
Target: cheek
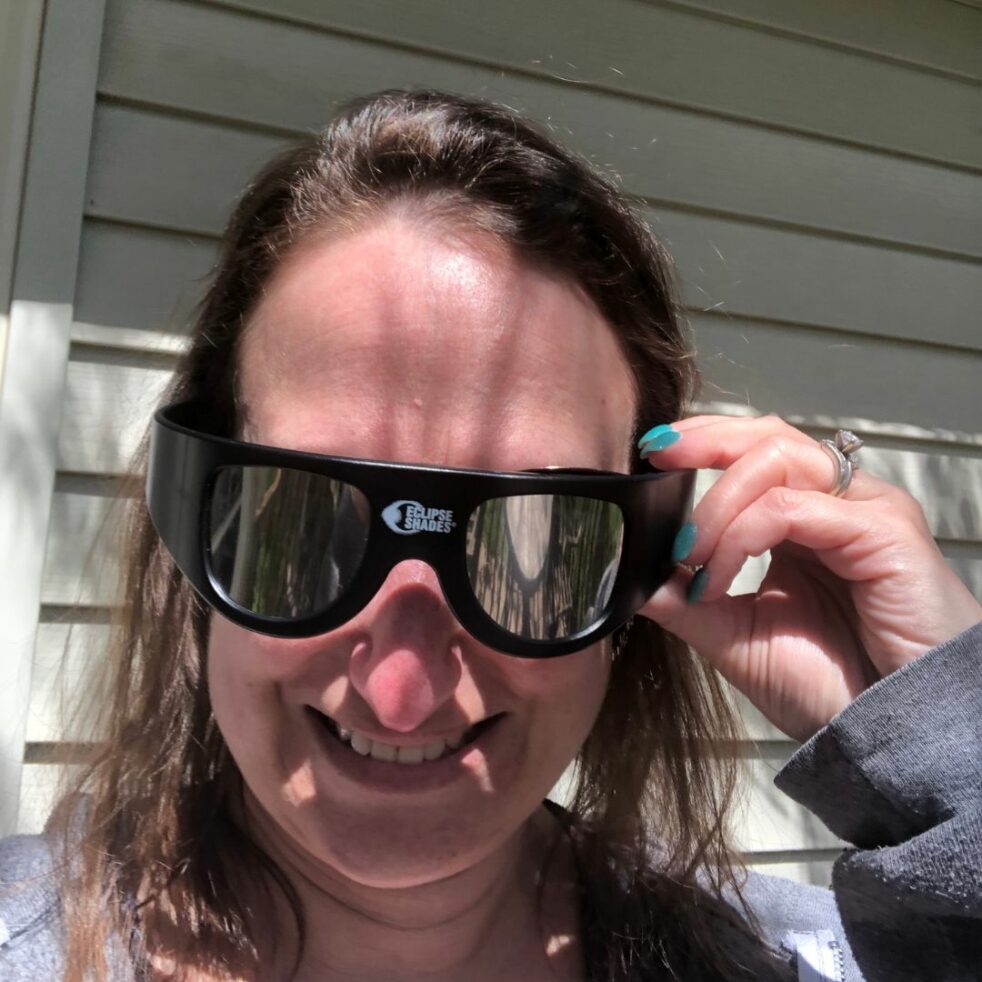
pixel 253 664
pixel 249 679
pixel 246 676
pixel 241 691
pixel 565 695
pixel 240 663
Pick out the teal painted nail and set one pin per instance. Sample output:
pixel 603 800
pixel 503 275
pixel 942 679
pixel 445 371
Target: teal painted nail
pixel 684 542
pixel 653 433
pixel 698 586
pixel 661 442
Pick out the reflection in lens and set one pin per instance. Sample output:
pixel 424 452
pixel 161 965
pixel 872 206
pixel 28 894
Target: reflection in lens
pixel 543 566
pixel 285 543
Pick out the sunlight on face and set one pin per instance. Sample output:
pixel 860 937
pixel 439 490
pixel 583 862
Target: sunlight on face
pixel 401 343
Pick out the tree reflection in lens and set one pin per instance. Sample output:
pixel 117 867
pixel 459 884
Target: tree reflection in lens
pixel 285 543
pixel 543 566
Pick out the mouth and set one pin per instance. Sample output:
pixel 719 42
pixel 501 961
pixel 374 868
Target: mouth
pixel 438 749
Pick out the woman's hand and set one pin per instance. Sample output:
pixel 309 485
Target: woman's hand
pixel 856 585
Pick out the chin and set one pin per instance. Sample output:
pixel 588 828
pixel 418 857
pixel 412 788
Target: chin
pixel 387 849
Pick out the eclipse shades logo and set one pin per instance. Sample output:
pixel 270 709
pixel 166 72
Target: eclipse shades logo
pixel 410 518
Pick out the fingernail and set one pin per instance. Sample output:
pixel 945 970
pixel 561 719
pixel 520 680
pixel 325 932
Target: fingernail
pixel 684 542
pixel 698 586
pixel 660 442
pixel 654 432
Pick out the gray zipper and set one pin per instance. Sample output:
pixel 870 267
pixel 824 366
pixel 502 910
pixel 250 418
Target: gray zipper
pixel 819 956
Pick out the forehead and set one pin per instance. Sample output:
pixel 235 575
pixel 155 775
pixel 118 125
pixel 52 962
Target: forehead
pixel 402 342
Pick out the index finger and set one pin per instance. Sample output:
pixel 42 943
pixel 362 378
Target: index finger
pixel 716 442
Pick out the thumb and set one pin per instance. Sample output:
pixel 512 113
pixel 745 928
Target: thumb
pixel 716 630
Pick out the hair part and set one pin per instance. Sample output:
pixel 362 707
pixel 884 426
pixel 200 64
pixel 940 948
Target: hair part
pixel 166 860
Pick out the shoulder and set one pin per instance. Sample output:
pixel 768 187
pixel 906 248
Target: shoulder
pixel 32 943
pixel 786 905
pixel 802 921
pixel 29 911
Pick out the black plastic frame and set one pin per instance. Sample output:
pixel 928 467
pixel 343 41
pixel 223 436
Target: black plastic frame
pixel 184 459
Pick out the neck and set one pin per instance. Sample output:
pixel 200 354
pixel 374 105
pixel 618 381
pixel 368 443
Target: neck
pixel 490 920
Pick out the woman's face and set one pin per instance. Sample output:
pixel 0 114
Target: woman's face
pixel 402 343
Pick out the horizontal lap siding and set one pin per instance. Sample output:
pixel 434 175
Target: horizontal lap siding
pixel 663 155
pixel 940 36
pixel 816 178
pixel 650 51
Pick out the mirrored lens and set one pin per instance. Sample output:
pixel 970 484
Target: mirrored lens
pixel 543 566
pixel 285 543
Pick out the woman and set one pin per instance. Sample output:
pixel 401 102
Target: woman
pixel 316 769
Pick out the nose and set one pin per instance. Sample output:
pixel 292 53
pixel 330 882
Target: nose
pixel 409 665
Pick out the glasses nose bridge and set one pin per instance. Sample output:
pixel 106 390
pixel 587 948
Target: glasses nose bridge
pixel 433 546
pixel 422 521
pixel 434 549
pixel 416 524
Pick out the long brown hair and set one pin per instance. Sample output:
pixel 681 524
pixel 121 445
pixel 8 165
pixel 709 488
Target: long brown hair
pixel 653 781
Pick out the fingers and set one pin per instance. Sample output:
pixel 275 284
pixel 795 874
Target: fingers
pixel 872 547
pixel 681 425
pixel 842 534
pixel 711 627
pixel 717 442
pixel 763 458
pixel 799 698
pixel 774 462
pixel 721 630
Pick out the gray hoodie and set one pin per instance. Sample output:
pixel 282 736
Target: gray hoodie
pixel 898 774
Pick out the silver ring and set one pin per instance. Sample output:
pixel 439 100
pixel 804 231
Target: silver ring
pixel 844 451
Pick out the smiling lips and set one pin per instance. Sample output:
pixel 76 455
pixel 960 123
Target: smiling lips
pixel 396 754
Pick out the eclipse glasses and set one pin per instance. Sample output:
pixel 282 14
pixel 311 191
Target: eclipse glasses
pixel 534 564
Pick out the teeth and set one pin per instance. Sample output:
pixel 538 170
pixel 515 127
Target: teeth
pixel 433 750
pixel 383 751
pixel 402 755
pixel 410 755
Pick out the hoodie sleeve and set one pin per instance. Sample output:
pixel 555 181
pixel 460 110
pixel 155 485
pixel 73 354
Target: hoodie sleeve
pixel 898 774
pixel 30 945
